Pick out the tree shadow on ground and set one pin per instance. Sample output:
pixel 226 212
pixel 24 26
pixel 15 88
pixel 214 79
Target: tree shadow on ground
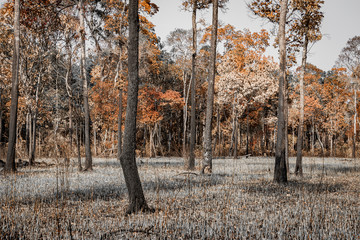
pixel 292 187
pixel 110 192
pixel 327 169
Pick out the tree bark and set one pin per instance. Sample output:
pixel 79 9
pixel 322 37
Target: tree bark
pixel 280 174
pixel 1 119
pixel 10 157
pixel 191 160
pixel 128 162
pixel 78 144
pixel 286 106
pixel 355 115
pixel 299 145
pixel 88 157
pixel 247 132
pixel 120 124
pixel 207 162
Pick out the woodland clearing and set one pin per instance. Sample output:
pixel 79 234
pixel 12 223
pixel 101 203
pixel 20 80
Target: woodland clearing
pixel 238 201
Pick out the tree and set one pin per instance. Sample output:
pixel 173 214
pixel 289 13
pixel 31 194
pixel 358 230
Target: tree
pixel 127 159
pixel 10 158
pixel 246 77
pixel 280 172
pixel 350 56
pixel 88 157
pixel 207 162
pixel 190 163
pixel 307 27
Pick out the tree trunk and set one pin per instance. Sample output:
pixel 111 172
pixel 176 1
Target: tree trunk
pixel 10 158
pixel 355 115
pixel 1 119
pixel 88 157
pixel 262 140
pixel 298 166
pixel 210 92
pixel 286 127
pixel 120 124
pixel 34 123
pixel 280 174
pixel 191 160
pixel 118 70
pixel 69 92
pixel 185 116
pixel 78 144
pixel 95 143
pixel 128 161
pixel 247 133
pixel 236 137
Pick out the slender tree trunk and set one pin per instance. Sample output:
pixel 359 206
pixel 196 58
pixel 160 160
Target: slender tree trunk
pixel 312 138
pixel 185 116
pixel 247 133
pixel 118 71
pixel 236 137
pixel 95 143
pixel 120 124
pixel 69 92
pixel 27 133
pixel 34 124
pixel 286 128
pixel 78 145
pixel 298 166
pixel 1 119
pixel 262 141
pixel 280 174
pixel 355 115
pixel 127 159
pixel 210 92
pixel 88 157
pixel 10 158
pixel 191 160
pixel 33 141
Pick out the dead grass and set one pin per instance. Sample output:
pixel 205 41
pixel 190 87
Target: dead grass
pixel 238 201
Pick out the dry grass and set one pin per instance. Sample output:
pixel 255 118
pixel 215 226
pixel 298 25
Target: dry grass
pixel 238 201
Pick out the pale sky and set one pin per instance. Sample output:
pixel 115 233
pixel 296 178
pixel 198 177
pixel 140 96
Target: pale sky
pixel 340 23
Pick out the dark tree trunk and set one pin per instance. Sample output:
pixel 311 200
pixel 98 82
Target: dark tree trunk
pixel 286 106
pixel 128 162
pixel 120 124
pixel 88 157
pixel 262 140
pixel 247 133
pixel 33 124
pixel 236 137
pixel 299 145
pixel 210 92
pixel 1 120
pixel 191 160
pixel 33 140
pixel 10 158
pixel 354 135
pixel 280 174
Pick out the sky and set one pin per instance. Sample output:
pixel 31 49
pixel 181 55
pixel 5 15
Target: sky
pixel 341 22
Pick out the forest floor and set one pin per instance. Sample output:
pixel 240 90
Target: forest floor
pixel 238 201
